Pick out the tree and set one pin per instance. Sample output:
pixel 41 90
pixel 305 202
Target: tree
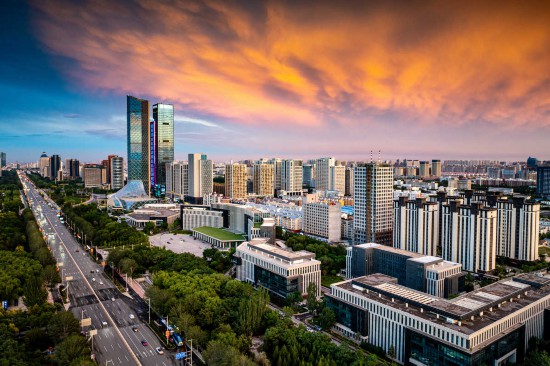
pixel 537 358
pixel 83 361
pixel 327 318
pixel 71 348
pixel 62 324
pixel 37 339
pixel 128 265
pixel 312 297
pixel 34 292
pixel 149 228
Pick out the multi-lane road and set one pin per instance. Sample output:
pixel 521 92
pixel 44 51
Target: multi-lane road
pixel 115 316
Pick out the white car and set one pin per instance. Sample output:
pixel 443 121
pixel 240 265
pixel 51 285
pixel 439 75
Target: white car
pixel 131 316
pixel 101 282
pixel 159 350
pixel 93 279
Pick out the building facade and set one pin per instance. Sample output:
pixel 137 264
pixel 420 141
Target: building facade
pixel 543 180
pixel 416 225
pixel 338 178
pixel 349 181
pixel 373 204
pixel 235 181
pixel 138 131
pixel 291 176
pixel 469 235
pixel 489 326
pixel 117 172
pixel 436 168
pixel 163 115
pixel 322 220
pixel 263 176
pixel 193 217
pixel 279 271
pixel 322 173
pixel 93 175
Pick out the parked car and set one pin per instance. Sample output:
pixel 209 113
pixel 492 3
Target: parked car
pixel 135 329
pixel 159 350
pixel 144 342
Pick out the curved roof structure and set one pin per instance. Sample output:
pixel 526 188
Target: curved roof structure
pixel 131 196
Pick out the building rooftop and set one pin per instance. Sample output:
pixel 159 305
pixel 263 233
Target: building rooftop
pixel 219 234
pixel 288 257
pixel 466 314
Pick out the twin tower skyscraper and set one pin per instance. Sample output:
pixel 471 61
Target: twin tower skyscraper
pixel 150 143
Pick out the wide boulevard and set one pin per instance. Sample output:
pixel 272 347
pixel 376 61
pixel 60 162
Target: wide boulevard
pixel 116 316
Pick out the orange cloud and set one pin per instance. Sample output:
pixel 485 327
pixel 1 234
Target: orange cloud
pixel 312 63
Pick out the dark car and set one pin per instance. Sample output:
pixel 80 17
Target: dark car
pixel 135 329
pixel 144 342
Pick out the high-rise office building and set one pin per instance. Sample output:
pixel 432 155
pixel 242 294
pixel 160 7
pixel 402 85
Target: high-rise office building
pixel 73 168
pixel 138 128
pixel 44 165
pixel 373 204
pixel 55 166
pixel 277 172
pixel 308 173
pixel 436 168
pixel 2 159
pixel 263 179
pixel 235 180
pixel 416 225
pixel 163 116
pixel 543 180
pixel 116 174
pixel 424 171
pixel 349 179
pixel 291 176
pixel 322 173
pixel 469 235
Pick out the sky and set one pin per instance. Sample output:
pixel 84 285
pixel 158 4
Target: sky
pixel 296 79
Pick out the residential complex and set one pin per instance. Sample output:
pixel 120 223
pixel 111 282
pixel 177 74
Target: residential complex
pixel 291 176
pixel 235 181
pixel 416 225
pixel 263 176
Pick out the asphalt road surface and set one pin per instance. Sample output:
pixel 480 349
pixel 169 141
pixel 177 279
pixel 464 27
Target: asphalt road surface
pixel 93 295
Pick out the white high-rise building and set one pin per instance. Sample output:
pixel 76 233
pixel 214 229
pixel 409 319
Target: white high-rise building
pixel 338 178
pixel 322 173
pixel 235 180
pixel 518 228
pixel 373 204
pixel 277 172
pixel 322 219
pixel 177 179
pixel 263 179
pixel 416 225
pixel 117 172
pixel 201 176
pixel 469 235
pixel 291 176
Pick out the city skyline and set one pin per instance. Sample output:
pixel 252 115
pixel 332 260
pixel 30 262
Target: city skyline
pixel 419 80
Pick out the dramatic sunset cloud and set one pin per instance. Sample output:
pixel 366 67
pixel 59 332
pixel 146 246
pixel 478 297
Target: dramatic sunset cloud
pixel 373 67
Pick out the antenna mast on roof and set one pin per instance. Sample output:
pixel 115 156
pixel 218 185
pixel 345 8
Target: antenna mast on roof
pixel 371 156
pixel 378 156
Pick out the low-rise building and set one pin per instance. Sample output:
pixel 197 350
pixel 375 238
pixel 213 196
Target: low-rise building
pixel 488 326
pixel 428 274
pixel 193 216
pixel 280 271
pixel 217 237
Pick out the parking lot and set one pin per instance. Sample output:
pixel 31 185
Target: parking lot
pixel 179 243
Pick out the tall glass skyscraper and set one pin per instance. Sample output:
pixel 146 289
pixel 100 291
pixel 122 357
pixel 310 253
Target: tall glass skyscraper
pixel 163 116
pixel 138 140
